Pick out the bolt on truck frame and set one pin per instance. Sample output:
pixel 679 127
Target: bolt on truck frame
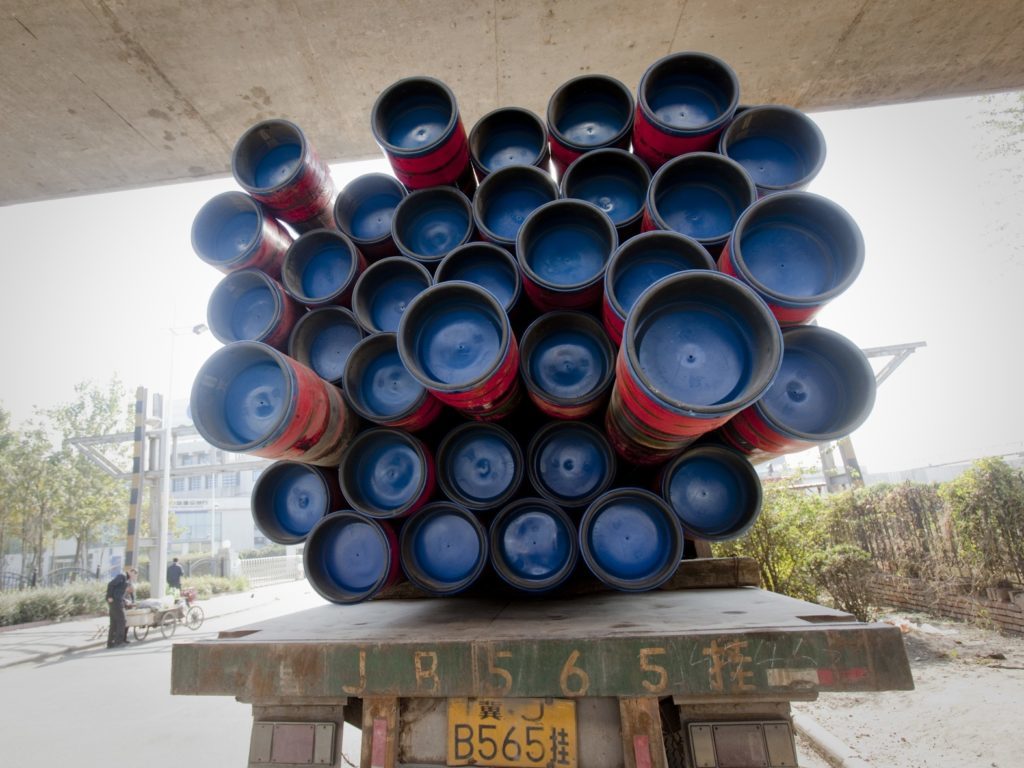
pixel 697 675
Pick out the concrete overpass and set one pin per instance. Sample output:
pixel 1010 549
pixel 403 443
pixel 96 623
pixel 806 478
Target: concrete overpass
pixel 99 95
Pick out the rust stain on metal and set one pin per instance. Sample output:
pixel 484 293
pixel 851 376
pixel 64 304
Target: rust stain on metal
pixel 286 671
pixel 297 670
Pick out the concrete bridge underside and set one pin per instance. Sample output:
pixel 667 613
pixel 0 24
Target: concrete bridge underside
pixel 100 95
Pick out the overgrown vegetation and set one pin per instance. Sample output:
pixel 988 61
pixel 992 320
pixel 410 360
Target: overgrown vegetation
pixel 967 533
pixel 844 571
pixel 901 527
pixel 85 599
pixel 986 509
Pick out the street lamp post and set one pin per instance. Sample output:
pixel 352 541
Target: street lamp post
pixel 213 514
pixel 158 580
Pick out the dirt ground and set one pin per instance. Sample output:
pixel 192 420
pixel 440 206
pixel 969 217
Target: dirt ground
pixel 967 709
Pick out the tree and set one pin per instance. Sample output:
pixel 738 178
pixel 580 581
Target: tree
pixel 787 533
pixel 919 547
pixel 34 478
pixel 986 505
pixel 845 571
pixel 8 518
pixel 88 498
pixel 48 491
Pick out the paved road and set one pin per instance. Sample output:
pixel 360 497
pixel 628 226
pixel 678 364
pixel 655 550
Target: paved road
pixel 97 707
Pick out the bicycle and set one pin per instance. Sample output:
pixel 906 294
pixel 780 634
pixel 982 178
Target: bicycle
pixel 145 616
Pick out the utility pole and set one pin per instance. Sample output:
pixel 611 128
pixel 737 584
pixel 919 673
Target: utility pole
pixel 159 579
pixel 138 474
pixel 213 509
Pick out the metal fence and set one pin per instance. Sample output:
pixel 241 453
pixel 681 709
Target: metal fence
pixel 10 581
pixel 204 566
pixel 261 571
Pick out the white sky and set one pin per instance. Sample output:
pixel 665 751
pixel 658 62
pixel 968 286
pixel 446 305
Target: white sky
pixel 95 283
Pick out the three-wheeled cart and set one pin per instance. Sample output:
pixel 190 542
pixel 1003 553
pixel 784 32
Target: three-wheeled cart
pixel 152 614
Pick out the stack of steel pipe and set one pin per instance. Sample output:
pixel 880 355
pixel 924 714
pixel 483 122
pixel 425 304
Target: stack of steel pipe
pixel 541 352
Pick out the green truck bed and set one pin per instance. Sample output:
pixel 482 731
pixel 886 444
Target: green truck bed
pixel 699 644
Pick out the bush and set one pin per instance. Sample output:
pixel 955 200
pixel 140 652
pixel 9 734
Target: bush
pixel 900 526
pixel 966 534
pixel 207 586
pixel 787 532
pixel 986 506
pixel 52 603
pixel 845 571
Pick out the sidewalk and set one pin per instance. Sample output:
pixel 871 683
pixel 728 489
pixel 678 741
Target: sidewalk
pixel 38 642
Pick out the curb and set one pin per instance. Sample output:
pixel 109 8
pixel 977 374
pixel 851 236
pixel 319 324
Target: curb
pixel 831 748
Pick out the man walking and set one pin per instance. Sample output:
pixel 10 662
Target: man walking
pixel 117 588
pixel 174 574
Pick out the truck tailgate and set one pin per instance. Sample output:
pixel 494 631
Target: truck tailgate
pixel 695 643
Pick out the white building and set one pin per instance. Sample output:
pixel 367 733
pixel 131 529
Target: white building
pixel 210 493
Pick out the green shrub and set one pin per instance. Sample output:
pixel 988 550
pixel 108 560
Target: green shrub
pixel 967 533
pixel 900 526
pixel 207 586
pixel 85 599
pixel 52 603
pixel 844 572
pixel 964 534
pixel 787 532
pixel 986 505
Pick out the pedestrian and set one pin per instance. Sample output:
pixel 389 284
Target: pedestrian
pixel 174 574
pixel 118 590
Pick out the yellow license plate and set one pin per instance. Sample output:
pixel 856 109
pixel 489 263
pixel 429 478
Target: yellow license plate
pixel 512 733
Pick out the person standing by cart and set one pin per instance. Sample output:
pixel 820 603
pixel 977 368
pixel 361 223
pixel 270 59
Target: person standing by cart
pixel 118 589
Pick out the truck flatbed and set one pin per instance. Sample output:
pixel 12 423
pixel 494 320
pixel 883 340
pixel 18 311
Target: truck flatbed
pixel 693 643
